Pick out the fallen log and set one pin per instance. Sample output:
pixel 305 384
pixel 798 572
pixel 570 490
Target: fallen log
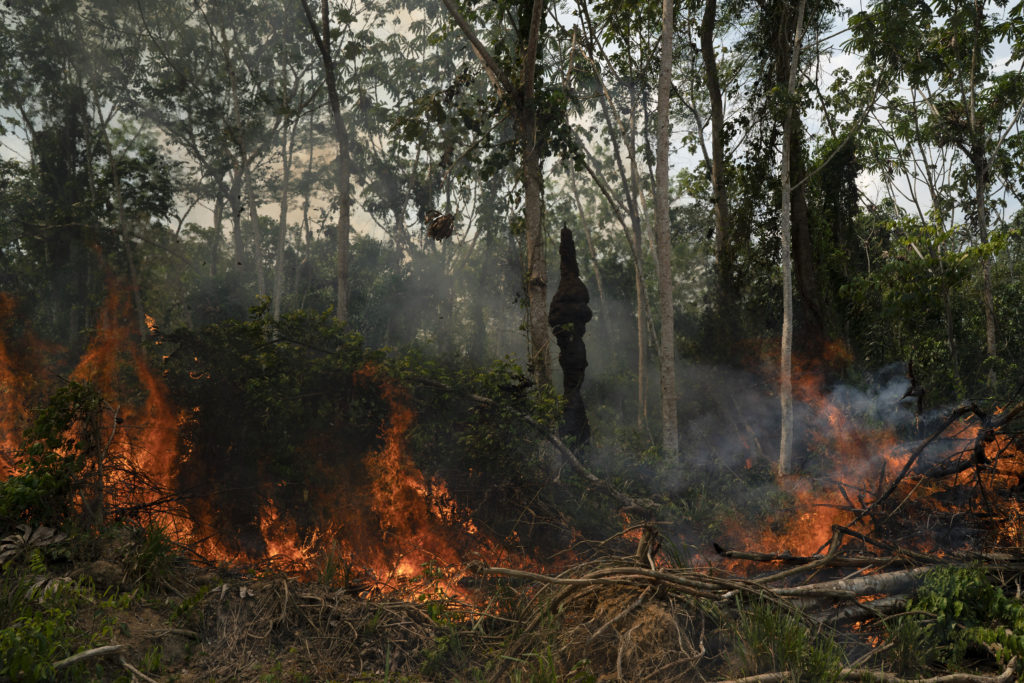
pixel 866 610
pixel 889 583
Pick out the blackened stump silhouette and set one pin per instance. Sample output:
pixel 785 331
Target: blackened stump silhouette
pixel 568 317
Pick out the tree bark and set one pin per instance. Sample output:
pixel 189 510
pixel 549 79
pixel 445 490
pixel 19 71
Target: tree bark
pixel 343 163
pixel 981 207
pixel 536 259
pixel 663 245
pixel 785 217
pixel 525 113
pixel 218 227
pixel 254 227
pixel 235 201
pixel 719 192
pixel 813 332
pixel 282 226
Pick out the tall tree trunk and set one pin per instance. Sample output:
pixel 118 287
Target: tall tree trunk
pixel 218 227
pixel 282 226
pixel 235 201
pixel 133 277
pixel 663 245
pixel 533 181
pixel 981 207
pixel 536 258
pixel 524 109
pixel 785 217
pixel 719 192
pixel 254 227
pixel 343 163
pixel 306 238
pixel 813 333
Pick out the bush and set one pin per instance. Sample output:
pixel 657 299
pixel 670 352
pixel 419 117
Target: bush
pixel 60 445
pixel 958 614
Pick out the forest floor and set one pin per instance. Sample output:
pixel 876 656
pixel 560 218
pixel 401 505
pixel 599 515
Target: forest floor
pixel 136 613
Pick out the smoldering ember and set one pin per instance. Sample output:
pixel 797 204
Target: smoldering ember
pixel 507 340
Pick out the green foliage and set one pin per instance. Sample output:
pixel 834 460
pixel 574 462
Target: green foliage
pixel 39 625
pixel 959 614
pixel 60 444
pixel 149 555
pixel 292 410
pixel 280 410
pixel 771 637
pixel 479 430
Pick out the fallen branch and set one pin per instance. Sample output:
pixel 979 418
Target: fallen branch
pixel 883 677
pixel 89 654
pixel 774 677
pixel 863 610
pixel 888 583
pixel 135 672
pixel 953 417
pixel 849 674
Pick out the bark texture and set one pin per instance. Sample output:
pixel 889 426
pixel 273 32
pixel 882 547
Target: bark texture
pixel 785 221
pixel 662 243
pixel 568 318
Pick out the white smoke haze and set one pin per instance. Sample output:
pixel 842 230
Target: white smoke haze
pixel 729 424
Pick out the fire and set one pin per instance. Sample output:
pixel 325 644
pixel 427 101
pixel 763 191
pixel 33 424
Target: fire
pixel 401 531
pixel 12 399
pixel 970 468
pixel 377 522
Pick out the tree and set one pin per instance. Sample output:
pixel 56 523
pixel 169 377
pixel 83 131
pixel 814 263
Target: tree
pixel 321 33
pixel 663 246
pixel 518 86
pixel 957 109
pixel 786 354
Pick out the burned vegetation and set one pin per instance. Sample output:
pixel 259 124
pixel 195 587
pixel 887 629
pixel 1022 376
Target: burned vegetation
pixel 407 531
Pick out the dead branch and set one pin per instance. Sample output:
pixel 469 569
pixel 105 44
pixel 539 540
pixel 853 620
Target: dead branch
pixel 850 674
pixel 89 654
pixel 774 677
pixel 883 677
pixel 135 672
pixel 872 608
pixel 888 583
pixel 953 417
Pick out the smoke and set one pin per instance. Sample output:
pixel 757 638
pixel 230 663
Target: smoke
pixel 729 425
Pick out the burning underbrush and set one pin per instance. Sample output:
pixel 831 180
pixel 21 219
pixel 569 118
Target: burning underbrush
pixel 286 497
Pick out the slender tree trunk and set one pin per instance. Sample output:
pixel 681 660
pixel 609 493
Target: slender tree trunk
pixel 591 252
pixel 981 208
pixel 133 277
pixel 663 245
pixel 235 201
pixel 813 334
pixel 343 163
pixel 305 239
pixel 631 182
pixel 719 192
pixel 218 227
pixel 536 258
pixel 254 229
pixel 533 181
pixel 521 91
pixel 643 313
pixel 785 217
pixel 282 226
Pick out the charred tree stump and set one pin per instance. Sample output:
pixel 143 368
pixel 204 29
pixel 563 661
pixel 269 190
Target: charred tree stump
pixel 568 317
